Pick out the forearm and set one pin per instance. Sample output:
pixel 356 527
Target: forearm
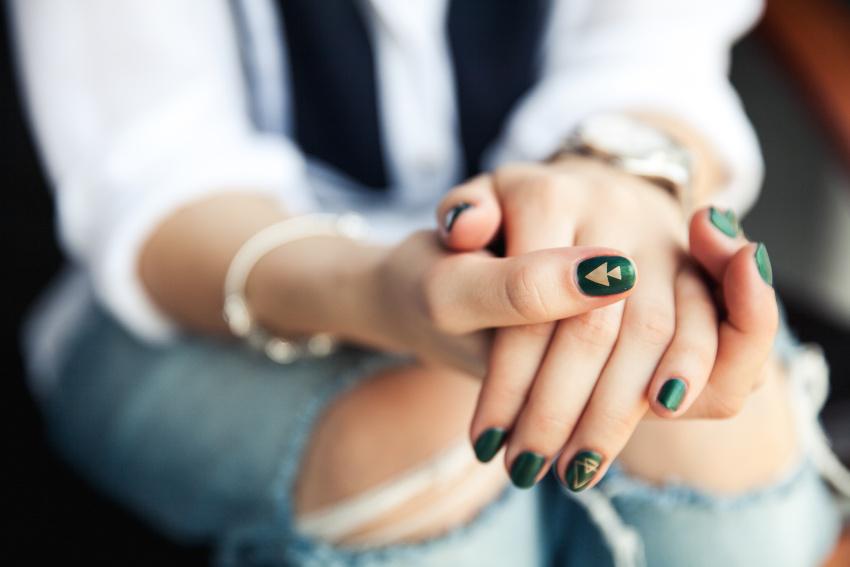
pixel 317 284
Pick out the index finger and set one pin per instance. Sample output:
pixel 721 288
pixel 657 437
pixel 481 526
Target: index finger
pixel 471 292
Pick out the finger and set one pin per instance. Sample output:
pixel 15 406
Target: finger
pixel 468 292
pixel 684 369
pixel 715 236
pixel 562 386
pixel 745 337
pixel 469 215
pixel 619 401
pixel 514 358
pixel 533 221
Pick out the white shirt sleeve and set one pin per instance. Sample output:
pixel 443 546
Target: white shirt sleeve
pixel 139 107
pixel 670 56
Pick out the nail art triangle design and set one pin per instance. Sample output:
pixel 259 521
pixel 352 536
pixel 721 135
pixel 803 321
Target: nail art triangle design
pixel 601 274
pixel 583 468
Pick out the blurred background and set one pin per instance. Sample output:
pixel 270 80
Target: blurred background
pixel 793 73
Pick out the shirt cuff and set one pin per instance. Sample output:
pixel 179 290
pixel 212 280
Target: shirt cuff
pixel 256 164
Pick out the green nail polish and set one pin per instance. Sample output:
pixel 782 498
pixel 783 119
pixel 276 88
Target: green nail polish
pixel 582 469
pixel 525 468
pixel 672 393
pixel 606 275
pixel 763 263
pixel 727 222
pixel 453 214
pixel 489 443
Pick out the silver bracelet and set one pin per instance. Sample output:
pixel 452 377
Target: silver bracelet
pixel 236 313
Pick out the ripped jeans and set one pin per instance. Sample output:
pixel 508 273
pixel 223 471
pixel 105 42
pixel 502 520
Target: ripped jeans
pixel 204 439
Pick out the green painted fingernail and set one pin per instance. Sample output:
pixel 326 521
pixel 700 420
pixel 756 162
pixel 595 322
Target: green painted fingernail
pixel 453 214
pixel 672 393
pixel 489 443
pixel 525 468
pixel 763 263
pixel 725 222
pixel 582 469
pixel 606 275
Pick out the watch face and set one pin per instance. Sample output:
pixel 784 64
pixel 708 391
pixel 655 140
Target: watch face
pixel 620 135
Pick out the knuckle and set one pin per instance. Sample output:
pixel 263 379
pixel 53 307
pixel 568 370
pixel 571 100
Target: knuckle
pixel 598 328
pixel 617 423
pixel 703 356
pixel 623 195
pixel 725 406
pixel 618 193
pixel 523 292
pixel 505 393
pixel 695 353
pixel 540 191
pixel 547 190
pixel 536 331
pixel 654 325
pixel 543 183
pixel 508 179
pixel 554 424
pixel 505 174
pixel 690 286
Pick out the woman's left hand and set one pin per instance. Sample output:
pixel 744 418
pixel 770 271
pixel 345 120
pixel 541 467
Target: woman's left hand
pixel 580 386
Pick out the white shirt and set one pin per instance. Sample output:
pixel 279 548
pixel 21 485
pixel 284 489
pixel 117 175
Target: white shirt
pixel 140 106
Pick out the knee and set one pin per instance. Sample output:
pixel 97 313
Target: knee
pixel 791 523
pixel 402 430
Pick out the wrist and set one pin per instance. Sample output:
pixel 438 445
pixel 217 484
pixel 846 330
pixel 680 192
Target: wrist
pixel 317 285
pixel 654 147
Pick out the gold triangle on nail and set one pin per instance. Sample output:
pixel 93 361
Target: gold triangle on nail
pixel 600 274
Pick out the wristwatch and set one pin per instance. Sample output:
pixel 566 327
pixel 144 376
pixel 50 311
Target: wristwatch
pixel 634 147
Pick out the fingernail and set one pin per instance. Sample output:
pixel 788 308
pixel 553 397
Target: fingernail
pixel 453 214
pixel 525 468
pixel 489 443
pixel 763 263
pixel 672 393
pixel 582 469
pixel 725 222
pixel 606 275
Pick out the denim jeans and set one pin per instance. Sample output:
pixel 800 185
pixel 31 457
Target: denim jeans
pixel 203 440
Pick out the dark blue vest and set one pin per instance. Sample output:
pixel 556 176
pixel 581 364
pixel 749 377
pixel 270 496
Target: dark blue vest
pixel 495 56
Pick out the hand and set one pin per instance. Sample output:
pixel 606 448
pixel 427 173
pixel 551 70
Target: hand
pixel 439 305
pixel 579 387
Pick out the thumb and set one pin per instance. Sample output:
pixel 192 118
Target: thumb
pixel 470 215
pixel 715 237
pixel 472 291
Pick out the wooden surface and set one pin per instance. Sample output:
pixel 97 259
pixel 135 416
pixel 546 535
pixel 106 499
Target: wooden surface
pixel 813 39
pixel 841 555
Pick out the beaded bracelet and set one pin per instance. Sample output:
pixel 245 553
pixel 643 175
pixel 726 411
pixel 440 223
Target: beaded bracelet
pixel 236 313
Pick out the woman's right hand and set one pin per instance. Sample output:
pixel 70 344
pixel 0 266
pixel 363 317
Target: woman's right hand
pixel 439 304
